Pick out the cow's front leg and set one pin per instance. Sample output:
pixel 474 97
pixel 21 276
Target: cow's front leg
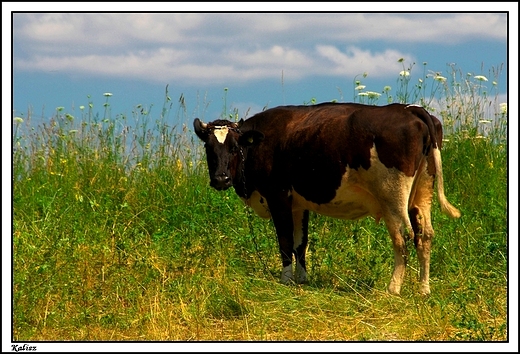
pixel 300 238
pixel 281 212
pixel 422 227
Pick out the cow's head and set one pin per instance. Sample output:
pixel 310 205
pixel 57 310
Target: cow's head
pixel 225 145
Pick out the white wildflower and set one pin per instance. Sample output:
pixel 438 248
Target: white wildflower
pixel 372 94
pixel 480 78
pixel 503 108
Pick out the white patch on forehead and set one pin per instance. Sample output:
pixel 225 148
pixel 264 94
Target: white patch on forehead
pixel 221 133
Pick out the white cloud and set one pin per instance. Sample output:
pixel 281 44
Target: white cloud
pixel 356 61
pixel 102 29
pixel 426 28
pixel 165 64
pixel 110 28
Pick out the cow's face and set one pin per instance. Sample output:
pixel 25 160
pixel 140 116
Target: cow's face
pixel 225 144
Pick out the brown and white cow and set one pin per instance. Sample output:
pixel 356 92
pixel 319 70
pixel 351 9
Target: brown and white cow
pixel 343 160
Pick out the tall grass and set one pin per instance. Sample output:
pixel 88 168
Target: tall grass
pixel 117 236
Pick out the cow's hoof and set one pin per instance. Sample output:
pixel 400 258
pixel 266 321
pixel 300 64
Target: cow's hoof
pixel 394 289
pixel 424 289
pixel 287 276
pixel 301 277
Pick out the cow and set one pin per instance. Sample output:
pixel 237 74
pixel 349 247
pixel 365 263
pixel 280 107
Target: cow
pixel 343 160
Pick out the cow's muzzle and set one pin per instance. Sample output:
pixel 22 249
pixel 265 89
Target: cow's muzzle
pixel 221 182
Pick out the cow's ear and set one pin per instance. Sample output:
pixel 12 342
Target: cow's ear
pixel 251 137
pixel 201 129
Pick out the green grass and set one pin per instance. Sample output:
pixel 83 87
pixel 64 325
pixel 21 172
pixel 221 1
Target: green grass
pixel 118 236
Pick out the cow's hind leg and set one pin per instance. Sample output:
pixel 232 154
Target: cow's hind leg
pixel 301 238
pixel 420 217
pixel 400 229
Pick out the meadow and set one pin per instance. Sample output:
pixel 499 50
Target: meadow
pixel 118 236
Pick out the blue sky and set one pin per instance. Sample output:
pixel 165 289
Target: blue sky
pixel 263 59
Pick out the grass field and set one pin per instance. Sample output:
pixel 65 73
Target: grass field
pixel 118 236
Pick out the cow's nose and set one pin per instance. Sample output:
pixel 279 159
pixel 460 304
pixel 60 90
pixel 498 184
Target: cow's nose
pixel 221 182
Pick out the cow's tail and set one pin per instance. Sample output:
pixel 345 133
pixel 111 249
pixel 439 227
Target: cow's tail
pixel 446 207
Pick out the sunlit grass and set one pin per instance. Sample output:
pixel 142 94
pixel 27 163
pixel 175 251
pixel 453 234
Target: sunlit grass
pixel 117 236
